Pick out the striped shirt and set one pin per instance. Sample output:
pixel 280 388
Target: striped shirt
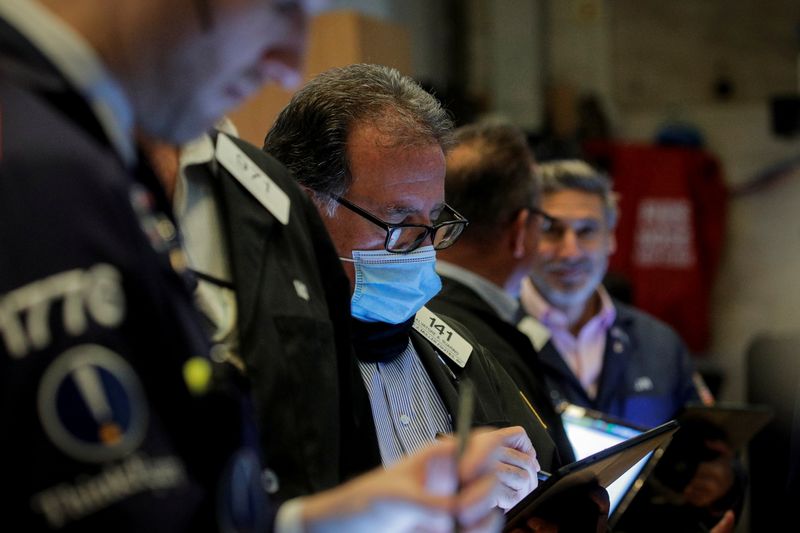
pixel 406 407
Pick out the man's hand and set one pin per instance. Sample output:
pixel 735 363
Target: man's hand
pixel 421 493
pixel 713 479
pixel 518 466
pixel 725 524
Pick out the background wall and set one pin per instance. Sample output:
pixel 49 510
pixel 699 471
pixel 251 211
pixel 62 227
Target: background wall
pixel 715 64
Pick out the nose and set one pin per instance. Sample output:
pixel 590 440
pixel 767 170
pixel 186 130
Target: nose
pixel 429 239
pixel 569 247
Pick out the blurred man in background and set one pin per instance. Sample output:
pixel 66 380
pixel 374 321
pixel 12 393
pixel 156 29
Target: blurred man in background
pixel 599 353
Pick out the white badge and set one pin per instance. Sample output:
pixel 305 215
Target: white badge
pixel 442 336
pixel 535 330
pixel 253 178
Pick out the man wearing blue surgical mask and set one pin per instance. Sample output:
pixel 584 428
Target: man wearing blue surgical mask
pixel 368 145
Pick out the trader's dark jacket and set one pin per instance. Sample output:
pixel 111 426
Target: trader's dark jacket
pixel 293 317
pixel 499 401
pixel 100 429
pixel 646 376
pixel 511 348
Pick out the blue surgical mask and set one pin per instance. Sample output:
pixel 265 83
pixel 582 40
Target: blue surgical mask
pixel 392 287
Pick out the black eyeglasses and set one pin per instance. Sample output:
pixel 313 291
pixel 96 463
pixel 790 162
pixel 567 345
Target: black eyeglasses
pixel 405 238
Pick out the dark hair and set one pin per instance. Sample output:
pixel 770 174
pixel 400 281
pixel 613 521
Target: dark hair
pixel 490 177
pixel 574 174
pixel 310 134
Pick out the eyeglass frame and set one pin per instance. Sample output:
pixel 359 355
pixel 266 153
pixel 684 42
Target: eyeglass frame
pixel 430 231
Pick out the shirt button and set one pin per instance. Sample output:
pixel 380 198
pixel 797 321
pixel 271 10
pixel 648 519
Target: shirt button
pixel 405 420
pixel 177 260
pixel 166 229
pixel 269 481
pixel 617 347
pixel 219 353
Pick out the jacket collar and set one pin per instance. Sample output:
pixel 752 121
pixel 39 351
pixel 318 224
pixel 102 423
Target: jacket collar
pixel 616 358
pixel 249 229
pixel 198 211
pixel 502 303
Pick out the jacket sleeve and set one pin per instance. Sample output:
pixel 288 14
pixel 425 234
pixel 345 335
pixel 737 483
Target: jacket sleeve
pixel 521 412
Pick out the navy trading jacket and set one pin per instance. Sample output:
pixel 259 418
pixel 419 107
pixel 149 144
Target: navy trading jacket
pixel 99 430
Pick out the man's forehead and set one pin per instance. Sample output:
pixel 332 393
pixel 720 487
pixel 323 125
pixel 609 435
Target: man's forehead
pixel 572 209
pixel 417 197
pixel 410 208
pixel 572 199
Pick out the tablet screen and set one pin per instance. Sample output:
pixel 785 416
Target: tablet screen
pixel 589 435
pixel 603 468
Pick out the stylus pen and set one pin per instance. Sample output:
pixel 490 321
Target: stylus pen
pixel 466 403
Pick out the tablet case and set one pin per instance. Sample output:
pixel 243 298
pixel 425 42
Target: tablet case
pixel 603 467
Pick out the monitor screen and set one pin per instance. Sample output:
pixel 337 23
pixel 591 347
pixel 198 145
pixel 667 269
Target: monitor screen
pixel 589 435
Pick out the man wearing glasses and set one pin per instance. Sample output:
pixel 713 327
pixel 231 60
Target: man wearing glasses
pixel 368 145
pixel 602 354
pixel 490 179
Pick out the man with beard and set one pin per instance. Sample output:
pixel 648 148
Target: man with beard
pixel 597 352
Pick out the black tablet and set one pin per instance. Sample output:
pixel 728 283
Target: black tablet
pixel 604 467
pixel 735 424
pixel 591 431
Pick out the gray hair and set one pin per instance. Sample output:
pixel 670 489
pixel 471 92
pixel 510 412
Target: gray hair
pixel 310 134
pixel 492 181
pixel 574 174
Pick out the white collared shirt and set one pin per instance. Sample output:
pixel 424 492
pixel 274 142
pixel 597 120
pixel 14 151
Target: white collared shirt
pixel 205 243
pixel 406 407
pixel 77 61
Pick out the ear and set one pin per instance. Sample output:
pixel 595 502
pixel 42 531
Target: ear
pixel 612 243
pixel 519 233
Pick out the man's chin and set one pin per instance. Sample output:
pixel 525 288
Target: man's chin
pixel 568 297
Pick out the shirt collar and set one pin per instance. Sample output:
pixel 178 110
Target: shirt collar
pixel 197 152
pixel 69 52
pixel 535 305
pixel 608 313
pixel 198 212
pixel 498 299
pixel 202 150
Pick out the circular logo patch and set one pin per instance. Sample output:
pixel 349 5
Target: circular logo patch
pixel 91 404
